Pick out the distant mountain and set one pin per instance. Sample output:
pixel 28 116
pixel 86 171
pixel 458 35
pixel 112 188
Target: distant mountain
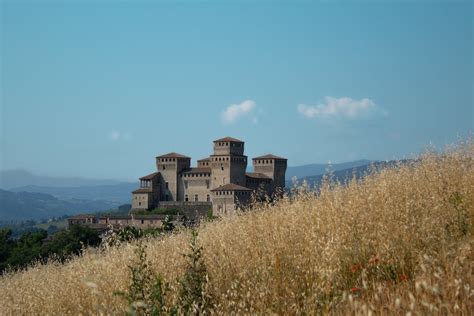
pixel 19 178
pixel 346 174
pixel 120 192
pixel 317 169
pixel 19 206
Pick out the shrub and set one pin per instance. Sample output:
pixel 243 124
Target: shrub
pixel 146 291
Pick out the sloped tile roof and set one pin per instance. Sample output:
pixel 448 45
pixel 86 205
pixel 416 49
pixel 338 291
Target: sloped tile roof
pixel 257 175
pixel 269 156
pixel 143 190
pixel 228 139
pixel 231 187
pixel 172 155
pixel 150 176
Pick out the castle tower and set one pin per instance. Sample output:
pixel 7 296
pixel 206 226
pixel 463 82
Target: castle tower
pixel 272 166
pixel 228 163
pixel 170 165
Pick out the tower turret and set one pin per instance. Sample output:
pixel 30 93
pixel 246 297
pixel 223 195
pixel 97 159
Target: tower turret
pixel 273 167
pixel 170 165
pixel 228 163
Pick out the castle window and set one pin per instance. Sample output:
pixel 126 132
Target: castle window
pixel 186 184
pixel 166 185
pixel 196 198
pixel 139 203
pixel 208 198
pixel 142 221
pixel 207 184
pixel 164 167
pixel 186 198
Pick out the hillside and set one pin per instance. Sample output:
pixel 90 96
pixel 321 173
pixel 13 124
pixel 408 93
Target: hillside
pixel 17 178
pixel 303 171
pixel 119 193
pixel 396 242
pixel 344 175
pixel 20 206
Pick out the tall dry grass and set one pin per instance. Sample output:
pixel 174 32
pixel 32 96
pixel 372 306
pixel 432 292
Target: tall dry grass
pixel 398 242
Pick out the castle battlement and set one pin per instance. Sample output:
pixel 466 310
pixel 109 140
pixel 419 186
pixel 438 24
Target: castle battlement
pixel 219 180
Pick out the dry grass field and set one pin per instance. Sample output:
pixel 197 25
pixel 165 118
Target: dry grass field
pixel 397 242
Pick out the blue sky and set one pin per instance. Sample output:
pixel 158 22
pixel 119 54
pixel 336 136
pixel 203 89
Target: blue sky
pixel 99 88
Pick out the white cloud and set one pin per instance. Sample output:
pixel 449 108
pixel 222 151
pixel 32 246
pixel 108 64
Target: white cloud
pixel 341 108
pixel 235 111
pixel 114 135
pixel 117 135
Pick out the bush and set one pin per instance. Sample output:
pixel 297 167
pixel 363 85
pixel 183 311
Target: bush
pixel 146 291
pixel 193 296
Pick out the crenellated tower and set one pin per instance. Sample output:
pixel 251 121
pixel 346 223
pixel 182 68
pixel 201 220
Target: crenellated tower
pixel 273 167
pixel 169 166
pixel 228 163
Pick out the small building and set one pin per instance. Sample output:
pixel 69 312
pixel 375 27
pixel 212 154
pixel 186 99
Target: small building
pixel 81 220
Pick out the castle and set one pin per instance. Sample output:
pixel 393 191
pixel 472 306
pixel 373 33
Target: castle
pixel 219 181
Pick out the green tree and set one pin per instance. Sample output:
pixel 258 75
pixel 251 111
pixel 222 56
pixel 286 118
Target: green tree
pixel 6 245
pixel 27 249
pixel 68 242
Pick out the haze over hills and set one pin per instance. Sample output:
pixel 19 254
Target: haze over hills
pixel 119 193
pixel 30 196
pixel 17 178
pixel 318 169
pixel 344 174
pixel 36 206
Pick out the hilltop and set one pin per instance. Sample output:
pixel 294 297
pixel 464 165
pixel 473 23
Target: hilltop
pixel 396 241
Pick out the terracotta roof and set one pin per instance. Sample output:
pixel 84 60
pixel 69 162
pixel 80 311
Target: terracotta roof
pixel 228 139
pixel 231 187
pixel 205 159
pixel 257 175
pixel 269 156
pixel 115 217
pixel 143 190
pixel 150 176
pixel 197 170
pixel 138 217
pixel 152 216
pixel 172 155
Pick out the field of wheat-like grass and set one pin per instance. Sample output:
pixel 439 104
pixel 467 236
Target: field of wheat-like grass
pixel 397 242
